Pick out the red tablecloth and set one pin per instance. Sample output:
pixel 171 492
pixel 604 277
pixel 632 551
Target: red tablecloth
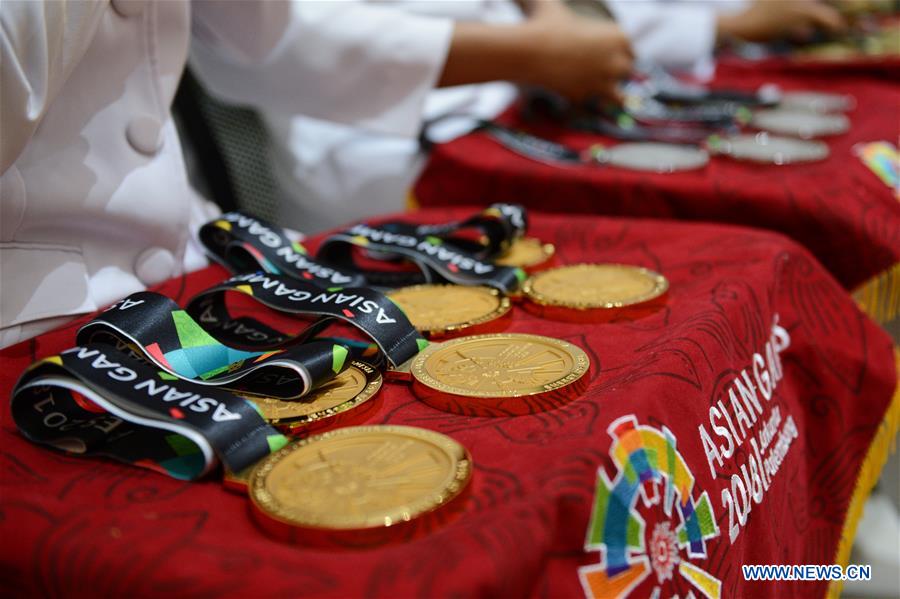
pixel 884 67
pixel 74 526
pixel 837 208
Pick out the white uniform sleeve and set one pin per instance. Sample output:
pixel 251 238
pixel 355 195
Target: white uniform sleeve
pixel 366 66
pixel 673 34
pixel 40 45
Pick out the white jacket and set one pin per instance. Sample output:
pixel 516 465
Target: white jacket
pixel 94 198
pixel 677 34
pixel 330 173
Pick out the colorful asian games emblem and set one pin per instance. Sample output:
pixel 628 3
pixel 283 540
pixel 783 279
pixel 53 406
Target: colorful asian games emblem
pixel 650 468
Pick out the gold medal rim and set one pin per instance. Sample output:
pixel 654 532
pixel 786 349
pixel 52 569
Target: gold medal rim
pixel 374 381
pixel 661 286
pixel 547 251
pixel 237 479
pixel 503 306
pixel 462 470
pixel 579 357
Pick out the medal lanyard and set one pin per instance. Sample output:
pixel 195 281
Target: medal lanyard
pixel 95 400
pixel 367 309
pixel 497 227
pixel 157 330
pixel 645 116
pixel 623 126
pixel 631 156
pixel 539 149
pixel 438 261
pixel 246 244
pixel 662 86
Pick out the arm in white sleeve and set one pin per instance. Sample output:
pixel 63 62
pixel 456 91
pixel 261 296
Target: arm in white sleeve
pixel 673 34
pixel 367 66
pixel 40 45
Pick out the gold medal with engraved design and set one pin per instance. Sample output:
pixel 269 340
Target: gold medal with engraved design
pixel 595 292
pixel 347 391
pixel 338 402
pixel 437 310
pixel 368 481
pixel 529 253
pixel 502 374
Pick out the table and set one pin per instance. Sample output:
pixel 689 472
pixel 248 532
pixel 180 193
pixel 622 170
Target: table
pixel 838 209
pixel 548 484
pixel 883 67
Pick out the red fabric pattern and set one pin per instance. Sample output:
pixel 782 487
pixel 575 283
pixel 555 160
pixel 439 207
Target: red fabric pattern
pixel 837 208
pixel 884 67
pixel 79 527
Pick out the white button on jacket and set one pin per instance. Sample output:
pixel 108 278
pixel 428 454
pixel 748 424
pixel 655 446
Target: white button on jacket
pixel 94 198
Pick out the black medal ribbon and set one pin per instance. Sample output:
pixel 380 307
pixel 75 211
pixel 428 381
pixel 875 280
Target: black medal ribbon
pixel 243 243
pixel 646 118
pixel 156 329
pixel 499 225
pixel 367 309
pixel 96 400
pixel 438 261
pixel 532 146
pixel 626 128
pixel 360 351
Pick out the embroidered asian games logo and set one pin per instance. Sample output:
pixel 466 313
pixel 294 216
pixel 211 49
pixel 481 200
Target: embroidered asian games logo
pixel 650 468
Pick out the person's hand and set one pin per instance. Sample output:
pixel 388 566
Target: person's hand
pixel 767 20
pixel 577 57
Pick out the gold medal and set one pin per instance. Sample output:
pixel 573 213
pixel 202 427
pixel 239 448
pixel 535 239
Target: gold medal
pixel 437 310
pixel 528 253
pixel 500 374
pixel 358 480
pixel 350 389
pixel 587 292
pixel 237 481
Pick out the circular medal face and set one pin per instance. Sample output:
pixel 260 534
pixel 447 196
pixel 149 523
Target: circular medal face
pixel 800 123
pixel 490 375
pixel 356 385
pixel 441 309
pixel 817 101
pixel 772 149
pixel 527 252
pixel 595 286
pixel 358 478
pixel 656 157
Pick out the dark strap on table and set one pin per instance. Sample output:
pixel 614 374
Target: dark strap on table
pixel 156 329
pixel 497 227
pixel 243 243
pixel 438 262
pixel 532 146
pixel 96 400
pixel 368 310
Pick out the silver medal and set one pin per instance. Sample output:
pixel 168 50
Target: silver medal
pixel 821 102
pixel 800 123
pixel 770 149
pixel 652 156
